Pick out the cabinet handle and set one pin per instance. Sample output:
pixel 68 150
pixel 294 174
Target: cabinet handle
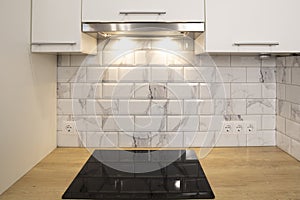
pixel 53 43
pixel 256 43
pixel 142 13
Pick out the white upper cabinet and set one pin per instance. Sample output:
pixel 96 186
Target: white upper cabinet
pixel 56 27
pixel 252 26
pixel 143 10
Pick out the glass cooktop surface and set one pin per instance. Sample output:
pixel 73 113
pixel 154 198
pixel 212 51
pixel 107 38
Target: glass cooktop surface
pixel 141 174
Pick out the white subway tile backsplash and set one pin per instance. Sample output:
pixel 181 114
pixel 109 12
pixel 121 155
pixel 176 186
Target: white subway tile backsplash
pixel 118 123
pixel 86 90
pixel 280 124
pixel 150 123
pixel 183 123
pixel 262 138
pixel 292 129
pixel 229 75
pixel 245 61
pixel 261 106
pixel 183 90
pixel 102 140
pixel 64 61
pixel 71 74
pixel 246 90
pixel 295 149
pixel 214 90
pixel 283 142
pixel 134 74
pixel 295 112
pixel 167 139
pixel 199 139
pixel 129 96
pixel 284 109
pixel 268 122
pixel 95 74
pixel 118 90
pixel 63 90
pixel 295 76
pixel 71 106
pixel 134 107
pixel 269 90
pixel 293 93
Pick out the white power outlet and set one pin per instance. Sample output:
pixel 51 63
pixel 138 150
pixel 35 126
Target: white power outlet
pixel 69 127
pixel 239 127
pixel 227 127
pixel 250 127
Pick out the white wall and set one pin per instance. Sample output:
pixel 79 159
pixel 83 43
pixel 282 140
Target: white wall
pixel 28 96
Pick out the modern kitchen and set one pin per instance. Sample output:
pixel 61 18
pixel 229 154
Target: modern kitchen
pixel 195 99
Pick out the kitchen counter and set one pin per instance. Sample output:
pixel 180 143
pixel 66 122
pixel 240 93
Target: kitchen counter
pixel 233 173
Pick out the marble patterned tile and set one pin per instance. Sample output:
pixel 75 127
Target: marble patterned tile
pixel 230 107
pixel 262 138
pixel 229 75
pixel 295 112
pixel 150 91
pixel 269 62
pixel 63 61
pixel 280 124
pixel 199 139
pixel 134 107
pixel 167 139
pixel 159 107
pixel 246 90
pixel 296 76
pixel 63 90
pixel 228 140
pixel 292 93
pixel 293 61
pixel 202 107
pixel 283 142
pixel 71 106
pixel 151 57
pixel 136 139
pixel 102 139
pixel 71 74
pixel 292 129
pixel 183 123
pixel 183 90
pixel 95 74
pixel 214 61
pixel 134 74
pixel 280 93
pixel 295 149
pixel 261 106
pixel 245 61
pixel 200 74
pixel 175 74
pixel 102 107
pixel 268 122
pixel 211 123
pixel 269 90
pixel 214 90
pixel 86 90
pixel 118 123
pixel 118 58
pixel 284 74
pixel 284 109
pixel 118 90
pixel 150 123
pixel 71 140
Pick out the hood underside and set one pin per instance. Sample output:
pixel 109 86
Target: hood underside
pixel 145 29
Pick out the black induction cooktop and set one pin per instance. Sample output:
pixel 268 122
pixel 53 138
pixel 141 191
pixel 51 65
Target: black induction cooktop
pixel 163 174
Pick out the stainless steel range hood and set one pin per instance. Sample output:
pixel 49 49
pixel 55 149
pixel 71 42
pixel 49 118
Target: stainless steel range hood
pixel 145 29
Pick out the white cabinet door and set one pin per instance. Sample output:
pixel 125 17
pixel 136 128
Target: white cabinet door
pixel 56 27
pixel 252 26
pixel 142 10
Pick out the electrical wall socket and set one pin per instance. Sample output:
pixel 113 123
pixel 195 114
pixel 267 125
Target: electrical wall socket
pixel 69 127
pixel 239 127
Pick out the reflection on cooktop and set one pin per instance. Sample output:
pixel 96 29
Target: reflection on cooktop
pixel 164 174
